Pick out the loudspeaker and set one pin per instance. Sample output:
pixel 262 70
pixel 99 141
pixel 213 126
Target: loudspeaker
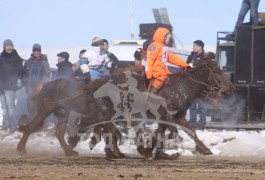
pixel 257 101
pixel 259 55
pixel 147 30
pixel 243 54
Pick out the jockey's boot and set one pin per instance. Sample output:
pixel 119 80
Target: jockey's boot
pixel 87 78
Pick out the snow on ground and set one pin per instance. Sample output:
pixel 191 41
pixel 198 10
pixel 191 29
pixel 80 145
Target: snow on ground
pixel 221 143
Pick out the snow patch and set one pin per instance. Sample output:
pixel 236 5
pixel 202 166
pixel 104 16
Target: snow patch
pixel 221 143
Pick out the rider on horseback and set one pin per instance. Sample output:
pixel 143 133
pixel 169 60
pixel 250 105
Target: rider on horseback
pixel 158 55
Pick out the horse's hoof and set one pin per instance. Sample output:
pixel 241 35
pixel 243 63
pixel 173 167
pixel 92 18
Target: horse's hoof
pixel 71 153
pixel 204 150
pixel 162 155
pixel 92 143
pixel 22 152
pixel 91 146
pixel 122 155
pixel 207 152
pixel 141 150
pixel 113 154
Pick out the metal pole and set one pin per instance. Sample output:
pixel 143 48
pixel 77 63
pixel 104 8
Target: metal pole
pixel 132 23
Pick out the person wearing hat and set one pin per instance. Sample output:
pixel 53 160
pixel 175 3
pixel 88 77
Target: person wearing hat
pixel 10 75
pixel 64 66
pixel 96 57
pixel 198 106
pixel 36 71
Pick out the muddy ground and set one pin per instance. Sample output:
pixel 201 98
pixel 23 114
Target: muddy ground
pixel 198 167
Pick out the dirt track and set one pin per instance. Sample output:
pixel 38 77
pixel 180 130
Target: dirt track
pixel 98 168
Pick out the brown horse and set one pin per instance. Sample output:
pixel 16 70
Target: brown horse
pixel 73 95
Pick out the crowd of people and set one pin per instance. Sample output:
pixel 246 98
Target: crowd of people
pixel 16 73
pixel 93 63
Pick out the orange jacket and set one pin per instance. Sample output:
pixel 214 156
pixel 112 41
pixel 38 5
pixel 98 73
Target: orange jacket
pixel 159 54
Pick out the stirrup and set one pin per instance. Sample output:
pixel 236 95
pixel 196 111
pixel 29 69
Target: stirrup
pixel 154 90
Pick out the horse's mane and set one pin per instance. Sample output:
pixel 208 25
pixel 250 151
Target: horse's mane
pixel 117 76
pixel 199 69
pixel 133 69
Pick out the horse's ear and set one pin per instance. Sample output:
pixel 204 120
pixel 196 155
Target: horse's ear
pixel 209 57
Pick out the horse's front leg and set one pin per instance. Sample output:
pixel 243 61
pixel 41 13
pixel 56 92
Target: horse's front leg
pixel 191 132
pixel 96 138
pixel 29 128
pixel 111 136
pixel 62 117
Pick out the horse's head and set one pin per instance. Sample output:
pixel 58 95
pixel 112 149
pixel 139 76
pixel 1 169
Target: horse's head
pixel 219 83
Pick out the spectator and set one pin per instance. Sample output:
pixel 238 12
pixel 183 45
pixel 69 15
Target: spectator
pixel 64 66
pixel 114 62
pixel 197 52
pixel 77 70
pixel 10 74
pixel 198 106
pixel 143 51
pixel 138 58
pixel 247 5
pixel 76 65
pixel 36 71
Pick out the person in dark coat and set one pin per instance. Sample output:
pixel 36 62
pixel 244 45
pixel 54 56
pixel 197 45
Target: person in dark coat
pixel 76 67
pixel 64 66
pixel 198 106
pixel 197 52
pixel 36 69
pixel 10 79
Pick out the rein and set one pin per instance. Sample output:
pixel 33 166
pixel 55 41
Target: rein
pixel 219 88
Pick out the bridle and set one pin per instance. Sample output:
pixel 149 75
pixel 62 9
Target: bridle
pixel 219 87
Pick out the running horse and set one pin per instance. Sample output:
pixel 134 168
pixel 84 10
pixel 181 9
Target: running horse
pixel 181 89
pixel 179 92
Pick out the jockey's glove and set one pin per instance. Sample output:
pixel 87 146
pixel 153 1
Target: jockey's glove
pixel 187 68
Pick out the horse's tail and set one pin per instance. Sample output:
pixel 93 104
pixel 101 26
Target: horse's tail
pixel 36 93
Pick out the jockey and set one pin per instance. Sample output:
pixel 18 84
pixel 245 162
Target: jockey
pixel 157 57
pixel 94 59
